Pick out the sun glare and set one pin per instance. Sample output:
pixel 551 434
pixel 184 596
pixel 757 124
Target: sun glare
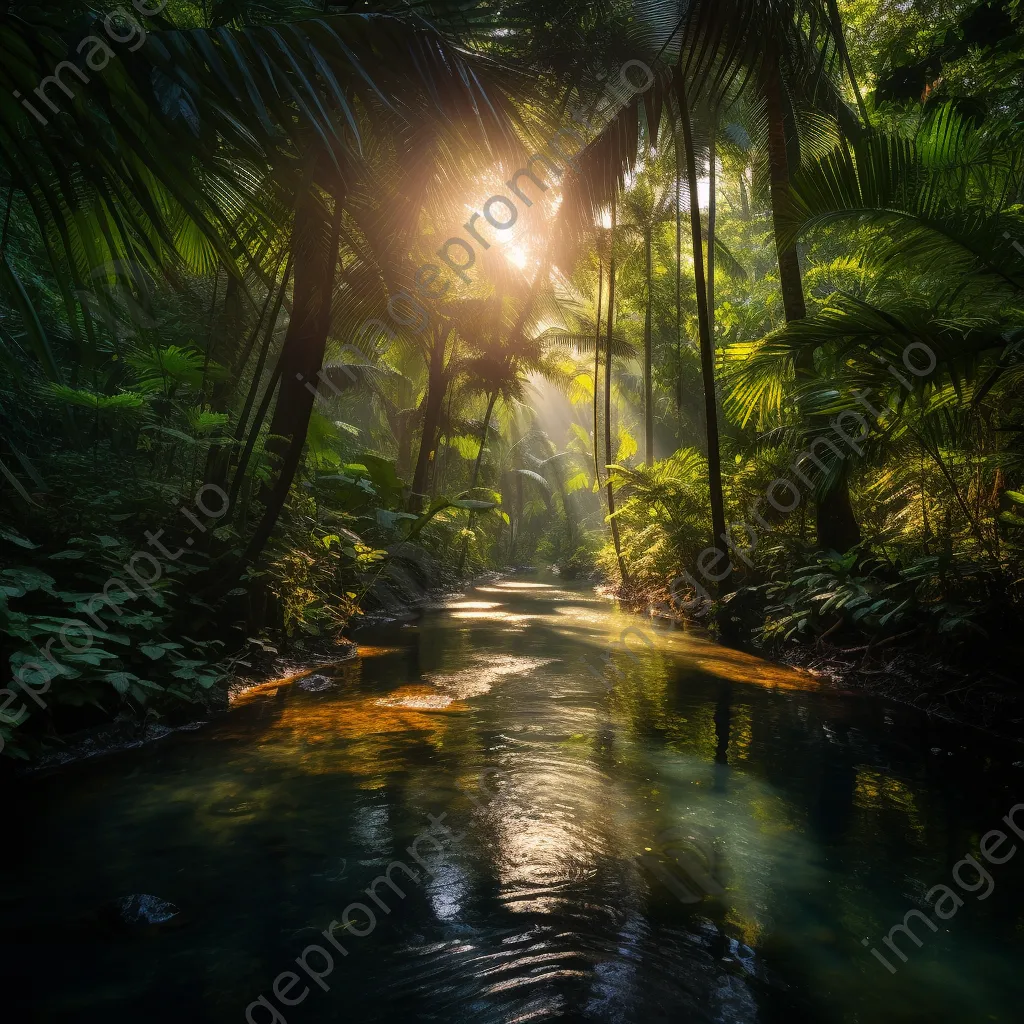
pixel 518 256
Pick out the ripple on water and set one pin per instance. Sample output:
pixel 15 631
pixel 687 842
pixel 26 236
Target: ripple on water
pixel 483 673
pixel 617 968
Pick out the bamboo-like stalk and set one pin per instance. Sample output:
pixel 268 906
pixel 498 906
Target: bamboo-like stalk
pixel 616 539
pixel 707 357
pixel 648 353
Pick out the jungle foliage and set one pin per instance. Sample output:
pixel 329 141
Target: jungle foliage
pixel 236 410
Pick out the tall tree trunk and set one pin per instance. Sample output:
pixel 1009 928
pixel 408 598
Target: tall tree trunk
pixel 707 356
pixel 616 539
pixel 679 277
pixel 744 202
pixel 712 221
pixel 778 166
pixel 433 402
pixel 836 525
pixel 491 399
pixel 597 367
pixel 302 355
pixel 648 359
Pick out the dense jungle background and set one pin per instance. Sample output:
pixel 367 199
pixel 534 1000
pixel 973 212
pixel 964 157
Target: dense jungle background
pixel 252 393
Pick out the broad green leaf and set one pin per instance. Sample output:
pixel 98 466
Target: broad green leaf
pixel 26 581
pixel 16 538
pixel 121 680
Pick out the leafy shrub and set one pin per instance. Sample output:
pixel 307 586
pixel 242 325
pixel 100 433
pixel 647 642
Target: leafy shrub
pixel 946 596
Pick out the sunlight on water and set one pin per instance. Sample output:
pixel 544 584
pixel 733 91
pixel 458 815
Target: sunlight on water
pixel 510 587
pixel 480 676
pixel 520 585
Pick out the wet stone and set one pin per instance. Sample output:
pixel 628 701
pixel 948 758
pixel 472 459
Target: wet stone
pixel 144 909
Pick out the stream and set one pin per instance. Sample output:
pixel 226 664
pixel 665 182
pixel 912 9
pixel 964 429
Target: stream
pixel 641 826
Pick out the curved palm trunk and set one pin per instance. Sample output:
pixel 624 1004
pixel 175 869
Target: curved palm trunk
pixel 597 369
pixel 439 479
pixel 707 356
pixel 616 540
pixel 254 432
pixel 648 361
pixel 836 525
pixel 230 328
pixel 302 355
pixel 261 360
pixel 516 515
pixel 492 399
pixel 218 464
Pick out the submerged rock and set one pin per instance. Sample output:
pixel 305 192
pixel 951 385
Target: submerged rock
pixel 144 909
pixel 316 683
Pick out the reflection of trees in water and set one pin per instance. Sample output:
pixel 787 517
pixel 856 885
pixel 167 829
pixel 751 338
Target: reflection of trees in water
pixel 723 717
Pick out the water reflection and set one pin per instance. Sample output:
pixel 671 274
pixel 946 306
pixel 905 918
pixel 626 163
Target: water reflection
pixel 676 831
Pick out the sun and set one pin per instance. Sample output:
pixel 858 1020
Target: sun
pixel 518 256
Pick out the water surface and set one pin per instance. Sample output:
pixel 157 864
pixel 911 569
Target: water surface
pixel 673 832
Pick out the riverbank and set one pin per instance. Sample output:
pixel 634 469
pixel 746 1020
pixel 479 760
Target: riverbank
pixel 903 669
pixel 398 597
pixel 983 699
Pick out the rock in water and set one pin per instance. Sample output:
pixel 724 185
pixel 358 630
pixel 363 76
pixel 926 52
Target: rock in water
pixel 315 683
pixel 141 908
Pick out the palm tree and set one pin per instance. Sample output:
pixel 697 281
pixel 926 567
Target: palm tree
pixel 608 458
pixel 647 205
pixel 597 357
pixel 707 355
pixel 717 49
pixel 943 198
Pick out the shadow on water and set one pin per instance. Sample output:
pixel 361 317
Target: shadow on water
pixel 677 831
